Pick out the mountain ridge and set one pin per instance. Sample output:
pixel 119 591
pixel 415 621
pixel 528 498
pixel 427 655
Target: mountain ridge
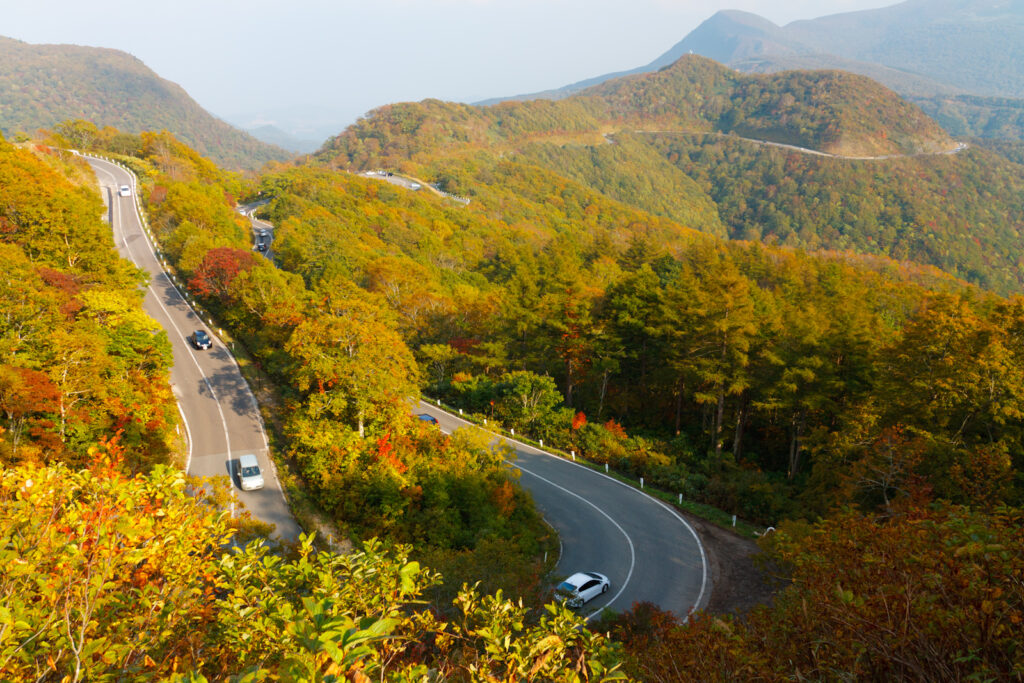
pixel 922 49
pixel 43 85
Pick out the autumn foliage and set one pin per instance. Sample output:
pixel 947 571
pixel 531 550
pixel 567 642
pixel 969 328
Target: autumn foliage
pixel 932 594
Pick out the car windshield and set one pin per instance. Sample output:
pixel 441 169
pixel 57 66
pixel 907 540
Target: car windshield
pixel 566 587
pixel 251 471
pixel 200 336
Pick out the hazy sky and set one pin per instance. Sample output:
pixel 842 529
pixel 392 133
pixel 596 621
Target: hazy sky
pixel 326 62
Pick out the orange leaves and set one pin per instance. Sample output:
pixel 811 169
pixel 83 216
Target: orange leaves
pixel 579 421
pixel 503 497
pixel 615 429
pixel 386 453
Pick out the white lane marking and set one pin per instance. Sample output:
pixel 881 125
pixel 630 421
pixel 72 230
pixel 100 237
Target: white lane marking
pixel 632 552
pixel 700 546
pixel 252 396
pixel 131 255
pixel 188 436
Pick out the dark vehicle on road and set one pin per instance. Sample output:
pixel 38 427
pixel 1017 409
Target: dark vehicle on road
pixel 200 339
pixel 429 419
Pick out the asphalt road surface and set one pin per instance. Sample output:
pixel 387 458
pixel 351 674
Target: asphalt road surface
pixel 219 412
pixel 643 546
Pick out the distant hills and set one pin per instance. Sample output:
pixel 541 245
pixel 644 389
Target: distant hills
pixel 949 56
pixel 273 135
pixel 830 112
pixel 682 143
pixel 42 85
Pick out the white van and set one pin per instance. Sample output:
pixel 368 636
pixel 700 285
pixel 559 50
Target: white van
pixel 249 475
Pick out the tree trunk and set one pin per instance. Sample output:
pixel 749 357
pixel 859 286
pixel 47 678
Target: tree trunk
pixel 719 414
pixel 680 387
pixel 741 419
pixel 794 445
pixel 362 432
pixel 604 390
pixel 568 383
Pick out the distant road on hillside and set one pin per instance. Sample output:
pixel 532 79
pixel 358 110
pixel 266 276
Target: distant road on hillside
pixel 960 146
pixel 647 550
pixel 219 411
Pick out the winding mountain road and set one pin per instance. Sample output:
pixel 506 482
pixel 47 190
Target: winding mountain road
pixel 645 547
pixel 219 412
pixel 647 550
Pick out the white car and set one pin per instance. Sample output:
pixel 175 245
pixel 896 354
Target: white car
pixel 582 587
pixel 249 475
pixel 125 191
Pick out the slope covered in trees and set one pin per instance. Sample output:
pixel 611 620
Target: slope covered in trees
pixel 668 144
pixel 42 85
pixel 769 381
pixel 78 357
pixel 790 369
pixel 828 111
pixel 345 375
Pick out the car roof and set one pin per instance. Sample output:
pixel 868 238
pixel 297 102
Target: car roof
pixel 200 333
pixel 248 460
pixel 578 579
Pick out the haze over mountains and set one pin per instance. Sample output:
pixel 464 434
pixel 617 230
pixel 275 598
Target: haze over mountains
pixel 949 56
pixel 42 85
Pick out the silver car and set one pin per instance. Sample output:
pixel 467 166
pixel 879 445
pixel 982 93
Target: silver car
pixel 249 475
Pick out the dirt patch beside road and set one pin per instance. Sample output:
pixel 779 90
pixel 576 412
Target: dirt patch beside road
pixel 738 583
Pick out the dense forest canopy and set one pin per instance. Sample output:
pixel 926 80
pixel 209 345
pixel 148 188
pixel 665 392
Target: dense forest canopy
pixel 682 143
pixel 116 565
pixel 79 359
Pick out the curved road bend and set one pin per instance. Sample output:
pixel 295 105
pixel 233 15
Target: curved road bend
pixel 219 411
pixel 646 549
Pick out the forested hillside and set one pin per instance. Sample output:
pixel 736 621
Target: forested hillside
pixel 827 111
pixel 79 360
pixel 115 565
pixel 42 85
pixel 768 381
pixel 669 144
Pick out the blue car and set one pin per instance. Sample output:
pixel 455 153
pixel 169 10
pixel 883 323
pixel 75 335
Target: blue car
pixel 429 419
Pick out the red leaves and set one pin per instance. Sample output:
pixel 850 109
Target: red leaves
pixel 219 269
pixel 579 420
pixel 158 195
